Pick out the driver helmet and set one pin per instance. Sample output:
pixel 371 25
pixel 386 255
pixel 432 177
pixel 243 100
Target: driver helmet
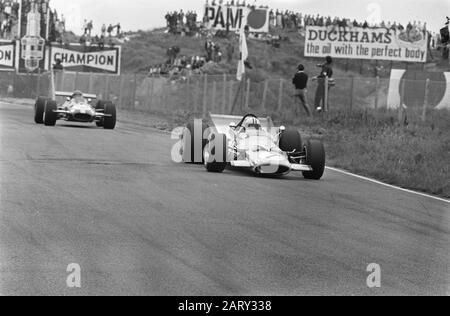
pixel 252 123
pixel 77 96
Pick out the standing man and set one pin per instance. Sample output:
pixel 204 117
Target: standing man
pixel 326 72
pixel 300 82
pixel 104 30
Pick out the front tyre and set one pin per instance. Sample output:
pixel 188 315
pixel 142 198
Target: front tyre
pixel 109 121
pixel 315 157
pixel 215 153
pixel 39 109
pixel 50 117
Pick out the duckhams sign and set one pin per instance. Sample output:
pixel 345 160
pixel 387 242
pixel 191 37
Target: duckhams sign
pixel 234 18
pixel 360 43
pixel 91 59
pixel 7 56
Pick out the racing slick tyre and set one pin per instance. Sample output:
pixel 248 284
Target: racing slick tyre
pixel 193 142
pixel 100 107
pixel 39 108
pixel 215 153
pixel 109 122
pixel 315 157
pixel 50 117
pixel 291 140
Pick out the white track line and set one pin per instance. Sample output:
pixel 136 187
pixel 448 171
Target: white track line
pixel 388 185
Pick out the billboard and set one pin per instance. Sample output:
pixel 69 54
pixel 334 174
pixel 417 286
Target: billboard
pixel 7 56
pixel 366 43
pixel 412 86
pixel 34 28
pixel 234 18
pixel 90 59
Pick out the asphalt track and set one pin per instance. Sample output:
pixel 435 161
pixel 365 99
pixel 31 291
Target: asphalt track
pixel 139 224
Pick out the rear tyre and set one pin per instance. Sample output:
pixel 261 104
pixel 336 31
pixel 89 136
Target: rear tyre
pixel 315 157
pixel 39 109
pixel 109 122
pixel 291 140
pixel 194 141
pixel 215 153
pixel 50 117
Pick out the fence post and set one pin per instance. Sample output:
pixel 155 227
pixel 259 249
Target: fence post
pixel 205 95
pixel 107 88
pixel 148 95
pixel 402 100
pixel 352 90
pixel 134 91
pixel 38 84
pixel 224 94
pixel 214 96
pixel 75 82
pixel 264 100
pixel 121 82
pixel 196 94
pixel 90 83
pixel 425 102
pixel 63 78
pixel 280 96
pixel 14 84
pixel 247 95
pixel 230 96
pixel 377 87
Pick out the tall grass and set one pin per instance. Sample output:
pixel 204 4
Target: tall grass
pixel 411 153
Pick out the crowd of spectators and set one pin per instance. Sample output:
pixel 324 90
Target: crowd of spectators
pixel 182 65
pixel 9 18
pixel 180 22
pixel 295 20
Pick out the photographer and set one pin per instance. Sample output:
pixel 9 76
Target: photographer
pixel 326 72
pixel 300 82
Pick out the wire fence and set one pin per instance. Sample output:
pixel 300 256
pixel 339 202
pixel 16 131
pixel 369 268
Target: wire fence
pixel 222 94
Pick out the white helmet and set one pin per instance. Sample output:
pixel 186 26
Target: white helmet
pixel 252 122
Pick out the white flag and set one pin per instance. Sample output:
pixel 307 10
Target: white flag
pixel 243 50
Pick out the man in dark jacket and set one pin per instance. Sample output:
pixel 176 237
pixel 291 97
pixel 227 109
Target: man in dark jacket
pixel 300 82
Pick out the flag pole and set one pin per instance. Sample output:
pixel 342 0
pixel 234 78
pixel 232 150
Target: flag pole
pixel 241 75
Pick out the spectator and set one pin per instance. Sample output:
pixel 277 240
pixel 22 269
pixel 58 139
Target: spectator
pixel 85 27
pixel 90 27
pixel 119 29
pixel 58 65
pixel 110 30
pixel 325 73
pixel 300 82
pixel 104 30
pixel 230 51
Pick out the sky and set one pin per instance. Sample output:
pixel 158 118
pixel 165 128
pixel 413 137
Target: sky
pixel 148 14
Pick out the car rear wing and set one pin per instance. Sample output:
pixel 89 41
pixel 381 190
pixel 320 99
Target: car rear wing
pixel 69 95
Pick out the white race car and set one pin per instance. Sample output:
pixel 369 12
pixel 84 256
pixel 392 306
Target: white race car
pixel 252 143
pixel 77 107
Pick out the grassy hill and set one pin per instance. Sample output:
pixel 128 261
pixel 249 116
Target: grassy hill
pixel 147 48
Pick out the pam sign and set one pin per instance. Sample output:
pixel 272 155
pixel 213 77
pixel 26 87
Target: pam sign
pixel 90 59
pixel 7 56
pixel 234 18
pixel 367 43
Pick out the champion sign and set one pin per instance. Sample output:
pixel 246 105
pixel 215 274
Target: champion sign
pixel 7 56
pixel 87 59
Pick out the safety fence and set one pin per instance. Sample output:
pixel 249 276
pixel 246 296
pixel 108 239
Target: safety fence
pixel 222 94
